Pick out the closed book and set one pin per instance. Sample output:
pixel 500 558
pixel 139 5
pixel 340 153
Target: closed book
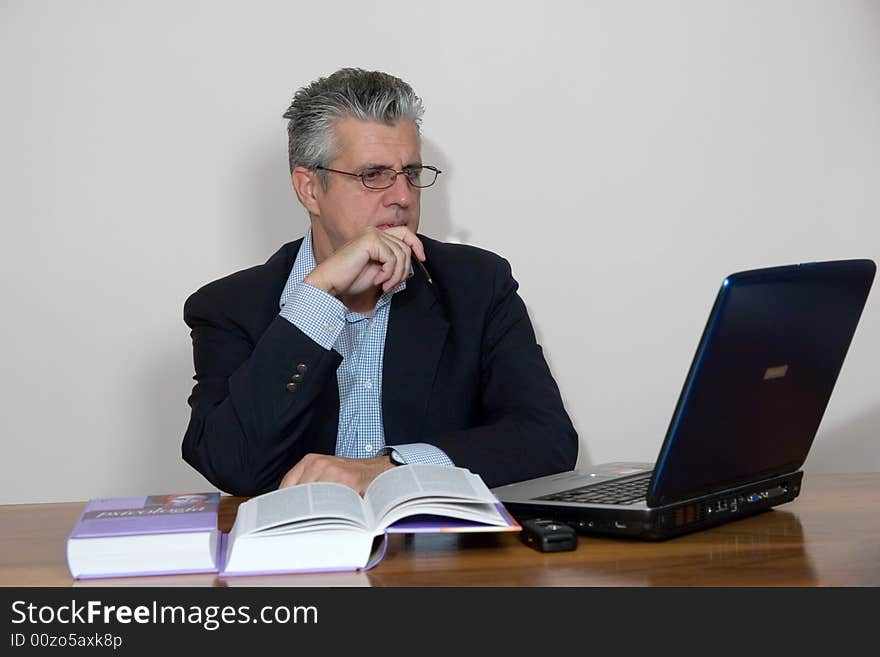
pixel 151 535
pixel 323 526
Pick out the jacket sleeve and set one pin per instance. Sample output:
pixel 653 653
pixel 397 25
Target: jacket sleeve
pixel 246 419
pixel 525 431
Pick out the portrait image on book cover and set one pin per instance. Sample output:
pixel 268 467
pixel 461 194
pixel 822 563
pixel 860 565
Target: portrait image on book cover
pixel 181 500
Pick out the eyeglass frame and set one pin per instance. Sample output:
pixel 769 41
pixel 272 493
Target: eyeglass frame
pixel 436 171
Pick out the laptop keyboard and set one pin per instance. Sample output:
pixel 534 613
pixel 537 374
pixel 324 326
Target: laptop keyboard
pixel 619 491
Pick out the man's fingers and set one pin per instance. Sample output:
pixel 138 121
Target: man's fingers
pixel 379 258
pixel 394 256
pixel 382 253
pixel 310 468
pixel 293 476
pixel 403 254
pixel 322 467
pixel 312 474
pixel 409 238
pixel 354 473
pixel 401 264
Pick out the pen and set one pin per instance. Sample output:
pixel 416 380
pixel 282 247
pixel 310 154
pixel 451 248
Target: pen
pixel 425 271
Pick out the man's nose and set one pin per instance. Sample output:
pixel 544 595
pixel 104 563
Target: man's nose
pixel 401 192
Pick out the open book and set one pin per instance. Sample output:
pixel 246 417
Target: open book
pixel 323 526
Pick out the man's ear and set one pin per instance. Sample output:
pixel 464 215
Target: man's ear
pixel 305 183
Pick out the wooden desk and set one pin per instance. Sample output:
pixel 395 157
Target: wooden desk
pixel 829 536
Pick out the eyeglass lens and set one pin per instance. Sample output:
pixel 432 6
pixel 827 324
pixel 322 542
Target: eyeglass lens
pixel 382 178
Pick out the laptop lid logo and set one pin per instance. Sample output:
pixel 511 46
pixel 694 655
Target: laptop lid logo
pixel 775 372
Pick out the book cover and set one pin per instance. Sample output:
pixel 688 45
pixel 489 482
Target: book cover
pixel 146 535
pixel 152 514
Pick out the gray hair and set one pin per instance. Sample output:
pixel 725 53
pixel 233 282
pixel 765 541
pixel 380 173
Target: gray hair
pixel 347 93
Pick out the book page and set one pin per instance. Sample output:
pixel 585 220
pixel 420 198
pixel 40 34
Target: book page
pixel 304 503
pixel 428 483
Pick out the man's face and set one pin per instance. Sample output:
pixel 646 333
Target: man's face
pixel 186 500
pixel 346 208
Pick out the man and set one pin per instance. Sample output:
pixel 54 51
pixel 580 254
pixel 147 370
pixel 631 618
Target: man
pixel 364 345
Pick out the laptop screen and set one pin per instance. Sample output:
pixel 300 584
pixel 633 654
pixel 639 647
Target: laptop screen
pixel 762 376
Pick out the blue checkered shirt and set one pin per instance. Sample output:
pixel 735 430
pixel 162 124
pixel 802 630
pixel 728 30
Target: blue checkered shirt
pixel 360 339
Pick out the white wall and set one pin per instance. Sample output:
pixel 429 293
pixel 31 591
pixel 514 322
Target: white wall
pixel 624 156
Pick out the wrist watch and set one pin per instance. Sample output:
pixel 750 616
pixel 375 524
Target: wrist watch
pixel 396 458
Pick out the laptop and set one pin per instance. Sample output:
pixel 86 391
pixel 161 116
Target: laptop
pixel 746 417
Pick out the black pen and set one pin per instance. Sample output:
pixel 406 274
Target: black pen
pixel 425 270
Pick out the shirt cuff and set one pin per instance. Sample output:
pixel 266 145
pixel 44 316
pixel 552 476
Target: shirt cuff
pixel 418 453
pixel 316 313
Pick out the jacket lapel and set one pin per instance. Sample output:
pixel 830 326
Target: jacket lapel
pixel 414 342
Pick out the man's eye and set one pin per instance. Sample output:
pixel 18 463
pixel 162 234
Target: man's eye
pixel 413 173
pixel 372 174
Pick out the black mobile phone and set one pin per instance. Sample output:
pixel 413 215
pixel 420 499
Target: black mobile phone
pixel 547 535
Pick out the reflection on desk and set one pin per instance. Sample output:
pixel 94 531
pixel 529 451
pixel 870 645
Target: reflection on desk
pixel 765 549
pixel 827 537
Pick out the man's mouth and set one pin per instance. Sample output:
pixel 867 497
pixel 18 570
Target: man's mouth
pixel 386 226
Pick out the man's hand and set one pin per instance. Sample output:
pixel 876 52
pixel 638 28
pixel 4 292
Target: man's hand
pixel 354 473
pixel 378 257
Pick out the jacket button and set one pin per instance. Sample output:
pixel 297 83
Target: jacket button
pixel 297 378
pixel 301 368
pixel 291 387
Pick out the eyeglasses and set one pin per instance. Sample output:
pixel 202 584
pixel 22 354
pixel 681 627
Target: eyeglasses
pixel 383 177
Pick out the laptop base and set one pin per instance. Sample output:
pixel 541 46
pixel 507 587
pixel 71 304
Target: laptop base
pixel 670 520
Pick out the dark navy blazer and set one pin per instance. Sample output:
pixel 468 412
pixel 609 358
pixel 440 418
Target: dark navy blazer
pixel 462 371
